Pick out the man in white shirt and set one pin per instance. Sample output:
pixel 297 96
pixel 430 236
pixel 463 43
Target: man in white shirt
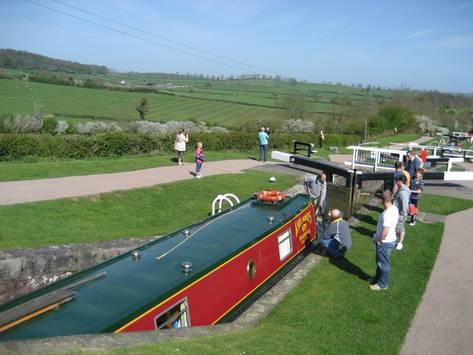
pixel 385 241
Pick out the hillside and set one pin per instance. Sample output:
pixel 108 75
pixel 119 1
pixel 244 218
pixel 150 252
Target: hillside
pixel 13 59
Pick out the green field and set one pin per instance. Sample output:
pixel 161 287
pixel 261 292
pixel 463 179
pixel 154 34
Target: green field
pixel 226 102
pixel 19 96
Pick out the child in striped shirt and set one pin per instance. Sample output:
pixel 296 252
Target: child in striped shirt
pixel 199 159
pixel 416 186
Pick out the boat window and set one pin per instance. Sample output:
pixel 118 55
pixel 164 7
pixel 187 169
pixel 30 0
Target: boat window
pixel 251 269
pixel 176 316
pixel 285 245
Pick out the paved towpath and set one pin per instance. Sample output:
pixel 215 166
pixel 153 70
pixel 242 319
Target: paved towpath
pixel 73 186
pixel 443 323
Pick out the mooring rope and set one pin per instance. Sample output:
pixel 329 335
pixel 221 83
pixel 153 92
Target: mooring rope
pixel 158 258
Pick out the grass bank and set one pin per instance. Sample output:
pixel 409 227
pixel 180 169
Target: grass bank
pixel 443 204
pixel 134 213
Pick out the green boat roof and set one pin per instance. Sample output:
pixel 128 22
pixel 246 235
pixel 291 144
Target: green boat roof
pixel 131 286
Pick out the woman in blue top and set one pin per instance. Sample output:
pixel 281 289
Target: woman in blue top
pixel 263 145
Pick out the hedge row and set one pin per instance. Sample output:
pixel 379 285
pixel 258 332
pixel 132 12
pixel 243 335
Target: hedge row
pixel 17 146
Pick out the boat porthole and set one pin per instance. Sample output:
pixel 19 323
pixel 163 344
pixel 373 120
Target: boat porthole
pixel 251 269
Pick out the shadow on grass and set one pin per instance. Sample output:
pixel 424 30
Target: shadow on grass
pixel 364 231
pixel 174 160
pixel 373 208
pixel 346 265
pixel 366 218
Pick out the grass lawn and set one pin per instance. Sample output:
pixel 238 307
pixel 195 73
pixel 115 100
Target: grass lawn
pixel 443 204
pixel 47 168
pixel 332 311
pixel 398 138
pixel 135 213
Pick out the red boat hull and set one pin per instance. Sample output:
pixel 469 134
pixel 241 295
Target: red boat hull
pixel 216 294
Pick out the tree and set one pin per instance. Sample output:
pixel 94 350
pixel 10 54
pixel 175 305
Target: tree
pixel 296 105
pixel 142 108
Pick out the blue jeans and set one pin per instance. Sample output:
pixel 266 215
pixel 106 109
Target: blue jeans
pixel 383 263
pixel 333 247
pixel 198 166
pixel 263 152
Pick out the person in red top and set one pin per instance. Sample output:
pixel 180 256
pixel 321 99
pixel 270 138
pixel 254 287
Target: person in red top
pixel 423 155
pixel 199 159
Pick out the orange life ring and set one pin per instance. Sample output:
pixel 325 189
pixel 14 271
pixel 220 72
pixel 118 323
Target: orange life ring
pixel 271 196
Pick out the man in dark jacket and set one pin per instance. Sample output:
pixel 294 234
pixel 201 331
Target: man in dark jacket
pixel 337 238
pixel 414 163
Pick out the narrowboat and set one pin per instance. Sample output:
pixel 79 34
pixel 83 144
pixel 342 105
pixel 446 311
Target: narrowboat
pixel 203 274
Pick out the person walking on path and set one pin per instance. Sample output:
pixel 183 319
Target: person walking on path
pixel 180 145
pixel 263 145
pixel 385 241
pixel 416 187
pixel 337 238
pixel 401 201
pixel 199 159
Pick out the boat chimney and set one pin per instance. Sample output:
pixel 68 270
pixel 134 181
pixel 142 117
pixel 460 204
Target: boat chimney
pixel 135 254
pixel 186 267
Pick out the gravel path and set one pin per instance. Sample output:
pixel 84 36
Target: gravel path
pixel 73 186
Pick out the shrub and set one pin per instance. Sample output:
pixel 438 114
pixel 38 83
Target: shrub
pixel 297 126
pixel 49 125
pixel 171 127
pixel 97 127
pixel 391 117
pixel 23 124
pixel 62 127
pixel 16 146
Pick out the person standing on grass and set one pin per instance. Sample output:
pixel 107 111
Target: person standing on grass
pixel 414 163
pixel 417 186
pixel 399 171
pixel 199 159
pixel 401 201
pixel 180 145
pixel 263 145
pixel 385 241
pixel 321 139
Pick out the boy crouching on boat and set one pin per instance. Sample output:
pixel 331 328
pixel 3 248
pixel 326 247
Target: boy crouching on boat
pixel 336 240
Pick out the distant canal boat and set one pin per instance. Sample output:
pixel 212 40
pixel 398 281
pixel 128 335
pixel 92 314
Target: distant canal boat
pixel 204 274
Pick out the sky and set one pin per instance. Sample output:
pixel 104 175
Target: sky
pixel 425 45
